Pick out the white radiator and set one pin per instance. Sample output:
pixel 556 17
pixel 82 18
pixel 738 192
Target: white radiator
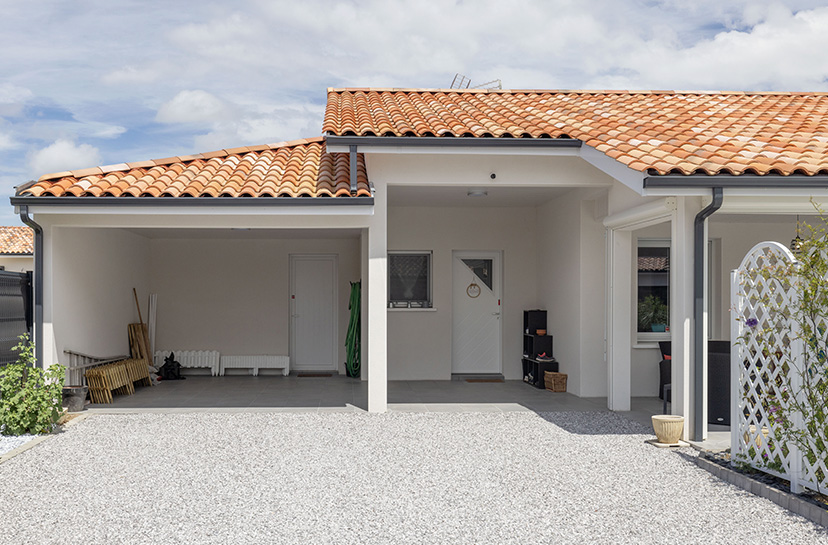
pixel 209 359
pixel 254 363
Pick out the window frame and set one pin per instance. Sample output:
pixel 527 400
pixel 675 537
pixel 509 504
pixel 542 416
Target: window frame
pixel 643 337
pixel 429 254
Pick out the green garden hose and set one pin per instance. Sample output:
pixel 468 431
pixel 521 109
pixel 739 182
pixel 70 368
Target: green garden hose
pixel 352 340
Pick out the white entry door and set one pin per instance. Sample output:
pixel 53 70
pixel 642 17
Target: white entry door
pixel 476 304
pixel 313 327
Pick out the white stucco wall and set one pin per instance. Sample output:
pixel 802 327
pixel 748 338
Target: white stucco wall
pixel 15 263
pixel 476 170
pixel 419 343
pixel 571 287
pixel 737 238
pixel 88 277
pixel 232 295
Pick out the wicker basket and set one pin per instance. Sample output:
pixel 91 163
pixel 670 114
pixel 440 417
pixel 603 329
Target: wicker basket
pixel 554 382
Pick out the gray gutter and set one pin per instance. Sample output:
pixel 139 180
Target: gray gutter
pixel 703 181
pixel 698 309
pixel 280 202
pixel 38 283
pixel 352 161
pixel 453 142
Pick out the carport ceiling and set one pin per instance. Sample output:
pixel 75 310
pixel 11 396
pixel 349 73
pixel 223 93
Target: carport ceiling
pixel 458 196
pixel 247 233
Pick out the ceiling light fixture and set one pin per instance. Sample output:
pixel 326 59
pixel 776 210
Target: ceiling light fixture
pixel 477 193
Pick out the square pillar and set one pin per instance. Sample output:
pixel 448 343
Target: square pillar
pixel 681 310
pixel 620 313
pixel 377 292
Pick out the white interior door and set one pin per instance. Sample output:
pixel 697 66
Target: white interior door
pixel 476 304
pixel 313 297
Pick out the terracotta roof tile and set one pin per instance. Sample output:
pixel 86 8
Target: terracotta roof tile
pixel 16 241
pixel 288 169
pixel 658 131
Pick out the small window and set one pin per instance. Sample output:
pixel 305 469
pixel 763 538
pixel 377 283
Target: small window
pixel 653 288
pixel 409 279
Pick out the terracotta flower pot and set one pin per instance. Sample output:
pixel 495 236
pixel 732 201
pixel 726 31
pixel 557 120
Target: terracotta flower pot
pixel 668 428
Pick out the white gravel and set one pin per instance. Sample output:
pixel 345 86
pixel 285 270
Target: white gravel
pixel 358 478
pixel 10 442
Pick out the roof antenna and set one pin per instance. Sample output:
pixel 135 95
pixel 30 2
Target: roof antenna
pixel 462 82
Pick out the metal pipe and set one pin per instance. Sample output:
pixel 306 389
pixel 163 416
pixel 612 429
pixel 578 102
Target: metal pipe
pixel 38 282
pixel 698 309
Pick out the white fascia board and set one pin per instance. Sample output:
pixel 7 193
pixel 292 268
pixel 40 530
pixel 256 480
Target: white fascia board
pixel 609 166
pixel 677 192
pixel 458 150
pixel 773 204
pixel 642 215
pixel 366 210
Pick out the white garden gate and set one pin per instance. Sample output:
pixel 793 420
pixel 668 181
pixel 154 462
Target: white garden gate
pixel 767 360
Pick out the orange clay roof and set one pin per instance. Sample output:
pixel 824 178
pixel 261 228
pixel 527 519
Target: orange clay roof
pixel 301 168
pixel 16 241
pixel 660 132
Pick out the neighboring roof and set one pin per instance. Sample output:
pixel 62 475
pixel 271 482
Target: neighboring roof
pixel 660 132
pixel 653 264
pixel 301 168
pixel 16 240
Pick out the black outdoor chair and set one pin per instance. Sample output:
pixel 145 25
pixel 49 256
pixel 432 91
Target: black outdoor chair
pixel 718 380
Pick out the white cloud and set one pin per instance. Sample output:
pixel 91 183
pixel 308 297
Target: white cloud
pixel 13 99
pixel 63 155
pixel 194 107
pixel 10 94
pixel 133 75
pixel 7 142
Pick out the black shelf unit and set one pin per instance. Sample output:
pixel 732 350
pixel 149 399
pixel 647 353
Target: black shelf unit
pixel 534 345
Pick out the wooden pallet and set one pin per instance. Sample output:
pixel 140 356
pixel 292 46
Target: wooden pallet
pixel 108 379
pixel 138 372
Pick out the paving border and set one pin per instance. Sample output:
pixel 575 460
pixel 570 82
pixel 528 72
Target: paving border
pixel 40 438
pixel 789 501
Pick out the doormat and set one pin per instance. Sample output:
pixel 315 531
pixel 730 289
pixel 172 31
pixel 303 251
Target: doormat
pixel 315 375
pixel 485 380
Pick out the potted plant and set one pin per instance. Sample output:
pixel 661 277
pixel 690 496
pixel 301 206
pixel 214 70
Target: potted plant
pixel 653 314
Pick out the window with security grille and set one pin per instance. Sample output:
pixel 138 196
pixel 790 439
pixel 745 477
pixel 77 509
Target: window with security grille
pixel 409 279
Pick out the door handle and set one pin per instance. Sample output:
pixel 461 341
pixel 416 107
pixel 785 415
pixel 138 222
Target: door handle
pixel 495 314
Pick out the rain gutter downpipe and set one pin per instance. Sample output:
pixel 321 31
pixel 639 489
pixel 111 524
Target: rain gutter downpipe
pixel 38 283
pixel 698 310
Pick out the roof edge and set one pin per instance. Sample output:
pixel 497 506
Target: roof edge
pixel 123 167
pixel 192 201
pixel 739 180
pixel 572 91
pixel 452 141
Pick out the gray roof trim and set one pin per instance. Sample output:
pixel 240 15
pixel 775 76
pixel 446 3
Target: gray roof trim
pixel 704 181
pixel 453 142
pixel 288 202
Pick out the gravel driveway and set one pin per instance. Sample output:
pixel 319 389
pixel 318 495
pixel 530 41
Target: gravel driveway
pixel 359 478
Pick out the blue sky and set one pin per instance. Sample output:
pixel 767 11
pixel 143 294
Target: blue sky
pixel 93 82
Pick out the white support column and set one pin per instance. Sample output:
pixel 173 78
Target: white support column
pixel 619 315
pixel 363 310
pixel 681 309
pixel 377 292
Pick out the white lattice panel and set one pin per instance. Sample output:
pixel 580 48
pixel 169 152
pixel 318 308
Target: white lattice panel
pixel 764 362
